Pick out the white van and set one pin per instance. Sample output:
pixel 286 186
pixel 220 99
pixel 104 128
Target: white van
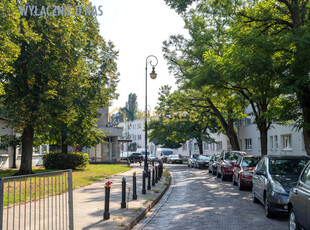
pixel 163 153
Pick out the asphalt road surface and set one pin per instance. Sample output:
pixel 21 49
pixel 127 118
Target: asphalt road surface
pixel 198 200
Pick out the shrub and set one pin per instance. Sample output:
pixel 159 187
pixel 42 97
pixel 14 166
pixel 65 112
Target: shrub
pixel 58 160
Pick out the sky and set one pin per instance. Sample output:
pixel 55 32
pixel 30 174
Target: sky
pixel 138 28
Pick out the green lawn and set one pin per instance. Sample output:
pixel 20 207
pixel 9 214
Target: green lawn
pixel 80 178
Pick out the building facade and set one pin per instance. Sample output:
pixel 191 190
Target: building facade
pixel 282 140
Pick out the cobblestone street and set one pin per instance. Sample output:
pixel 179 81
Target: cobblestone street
pixel 198 200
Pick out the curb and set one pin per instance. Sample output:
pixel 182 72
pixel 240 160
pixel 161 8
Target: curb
pixel 148 208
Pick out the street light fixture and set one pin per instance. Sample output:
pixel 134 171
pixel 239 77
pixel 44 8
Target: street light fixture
pixel 153 76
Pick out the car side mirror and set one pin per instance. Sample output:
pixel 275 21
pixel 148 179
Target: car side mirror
pixel 260 172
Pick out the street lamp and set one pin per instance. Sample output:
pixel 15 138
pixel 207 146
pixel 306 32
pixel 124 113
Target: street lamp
pixel 153 75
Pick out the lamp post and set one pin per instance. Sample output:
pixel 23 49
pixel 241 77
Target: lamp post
pixel 153 75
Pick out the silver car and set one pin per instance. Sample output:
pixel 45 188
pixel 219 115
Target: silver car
pixel 273 179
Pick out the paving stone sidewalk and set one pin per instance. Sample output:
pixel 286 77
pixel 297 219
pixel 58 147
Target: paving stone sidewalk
pixel 88 203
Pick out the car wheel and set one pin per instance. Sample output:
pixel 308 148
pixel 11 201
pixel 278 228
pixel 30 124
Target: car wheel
pixel 222 176
pixel 239 184
pixel 210 170
pixel 198 167
pixel 213 172
pixel 187 165
pixel 292 223
pixel 233 180
pixel 268 212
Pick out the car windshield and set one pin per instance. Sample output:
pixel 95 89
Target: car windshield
pixel 204 158
pixel 250 162
pixel 167 153
pixel 143 152
pixel 286 166
pixel 231 156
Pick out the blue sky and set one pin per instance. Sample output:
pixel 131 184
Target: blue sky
pixel 138 29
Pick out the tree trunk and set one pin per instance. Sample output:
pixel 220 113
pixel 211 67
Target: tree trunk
pixel 64 145
pixel 306 129
pixel 228 126
pixel 200 147
pixel 14 157
pixel 263 130
pixel 27 147
pixel 304 100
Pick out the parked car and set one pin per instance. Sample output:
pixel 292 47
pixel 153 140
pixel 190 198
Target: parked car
pixel 212 164
pixel 202 161
pixel 225 163
pixel 125 155
pixel 142 151
pixel 299 202
pixel 273 179
pixel 136 157
pixel 243 171
pixel 191 160
pixel 174 159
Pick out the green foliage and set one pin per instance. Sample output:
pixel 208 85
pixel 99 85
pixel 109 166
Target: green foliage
pixel 56 72
pixel 7 141
pixel 58 160
pixel 179 121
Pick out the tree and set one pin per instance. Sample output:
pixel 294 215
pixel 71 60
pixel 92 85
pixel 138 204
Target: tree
pixel 131 106
pixel 10 141
pixel 53 71
pixel 177 124
pixel 186 62
pixel 288 23
pixel 246 69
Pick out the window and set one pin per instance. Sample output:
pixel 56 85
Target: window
pixel 44 149
pixel 271 142
pixel 205 146
pixel 276 144
pixel 139 137
pixel 259 144
pixel 286 141
pixel 219 146
pixel 184 146
pixel 248 144
pixel 139 126
pixel 196 147
pixel 248 121
pixel 36 149
pixel 240 143
pixel 212 147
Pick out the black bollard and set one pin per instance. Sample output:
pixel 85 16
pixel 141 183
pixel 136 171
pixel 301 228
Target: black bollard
pixel 153 177
pixel 134 192
pixel 106 214
pixel 159 171
pixel 149 180
pixel 123 203
pixel 156 174
pixel 143 183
